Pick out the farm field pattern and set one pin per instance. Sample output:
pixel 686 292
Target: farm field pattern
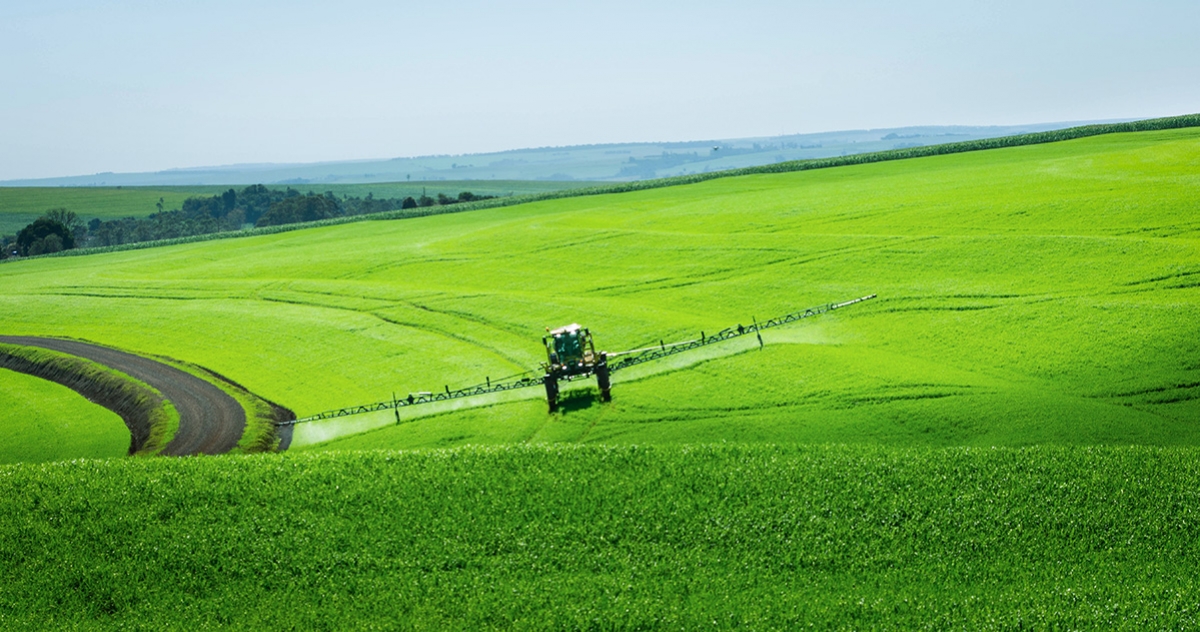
pixel 1004 438
pixel 1027 295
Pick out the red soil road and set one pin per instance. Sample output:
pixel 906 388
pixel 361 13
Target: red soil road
pixel 210 421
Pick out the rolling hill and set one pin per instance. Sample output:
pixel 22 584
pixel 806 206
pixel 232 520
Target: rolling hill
pixel 1004 438
pixel 1031 294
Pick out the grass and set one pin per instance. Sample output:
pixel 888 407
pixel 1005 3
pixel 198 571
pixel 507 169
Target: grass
pixel 151 420
pixel 44 421
pixel 21 205
pixel 556 538
pixel 1031 294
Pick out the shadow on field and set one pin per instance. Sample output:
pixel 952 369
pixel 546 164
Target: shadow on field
pixel 574 401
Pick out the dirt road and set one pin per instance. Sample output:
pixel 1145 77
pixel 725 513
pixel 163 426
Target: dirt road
pixel 210 421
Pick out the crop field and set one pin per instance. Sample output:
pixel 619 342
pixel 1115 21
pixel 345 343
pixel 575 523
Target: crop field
pixel 44 421
pixel 21 205
pixel 1041 294
pixel 1005 438
pixel 544 537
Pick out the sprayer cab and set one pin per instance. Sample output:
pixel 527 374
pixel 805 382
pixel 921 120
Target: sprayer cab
pixel 569 350
pixel 570 353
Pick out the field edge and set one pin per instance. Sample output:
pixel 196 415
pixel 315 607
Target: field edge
pixel 151 419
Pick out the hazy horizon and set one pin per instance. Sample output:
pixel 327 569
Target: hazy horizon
pixel 250 166
pixel 611 162
pixel 143 87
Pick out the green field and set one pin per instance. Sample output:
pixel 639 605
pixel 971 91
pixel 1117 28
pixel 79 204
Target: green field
pixel 1005 438
pixel 21 205
pixel 44 421
pixel 1026 295
pixel 595 538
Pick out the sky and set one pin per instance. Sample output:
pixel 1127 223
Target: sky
pixel 90 87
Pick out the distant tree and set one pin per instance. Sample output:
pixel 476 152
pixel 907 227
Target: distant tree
pixel 299 208
pixel 256 199
pixel 231 210
pixel 33 238
pixel 49 244
pixel 65 217
pixel 73 222
pixel 144 231
pixel 159 205
pixel 234 219
pixel 196 206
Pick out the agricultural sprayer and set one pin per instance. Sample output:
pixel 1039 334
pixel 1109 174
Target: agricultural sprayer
pixel 571 355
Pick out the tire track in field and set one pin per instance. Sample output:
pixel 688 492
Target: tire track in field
pixel 210 421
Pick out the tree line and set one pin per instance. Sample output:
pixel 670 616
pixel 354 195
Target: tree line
pixel 254 206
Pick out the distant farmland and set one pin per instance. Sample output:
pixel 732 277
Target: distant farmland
pixel 619 162
pixel 21 205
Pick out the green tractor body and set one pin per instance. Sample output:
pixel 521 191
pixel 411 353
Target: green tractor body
pixel 570 354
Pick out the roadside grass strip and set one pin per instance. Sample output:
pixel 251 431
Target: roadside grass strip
pixel 260 434
pixel 150 419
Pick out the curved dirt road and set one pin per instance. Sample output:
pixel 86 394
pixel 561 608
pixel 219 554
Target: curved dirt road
pixel 210 421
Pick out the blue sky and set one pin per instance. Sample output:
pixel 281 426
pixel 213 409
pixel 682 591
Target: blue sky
pixel 141 86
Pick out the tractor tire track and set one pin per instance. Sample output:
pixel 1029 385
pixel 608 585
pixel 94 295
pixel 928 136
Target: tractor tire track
pixel 210 421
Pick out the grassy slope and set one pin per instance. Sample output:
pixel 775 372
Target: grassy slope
pixel 1038 294
pixel 1027 295
pixel 21 205
pixel 44 421
pixel 607 538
